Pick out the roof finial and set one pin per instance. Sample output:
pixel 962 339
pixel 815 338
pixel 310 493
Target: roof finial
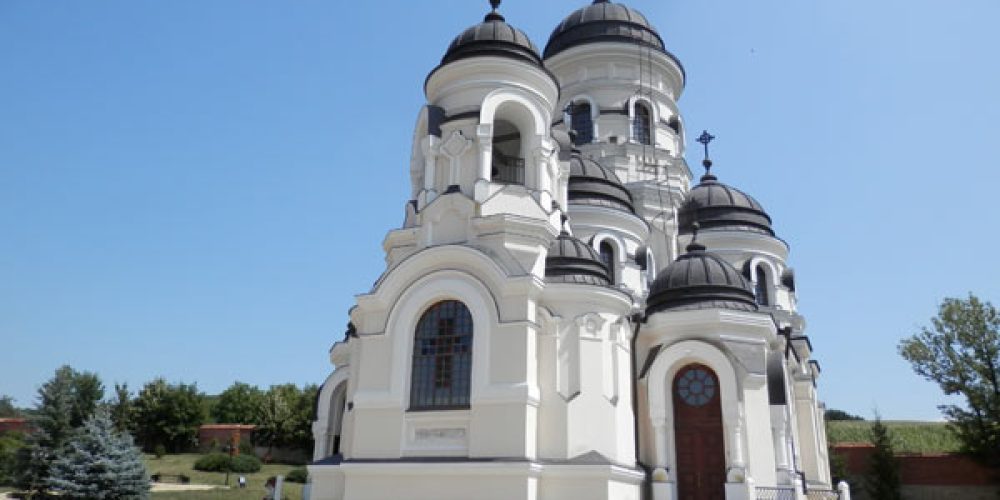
pixel 694 246
pixel 494 15
pixel 564 219
pixel 705 139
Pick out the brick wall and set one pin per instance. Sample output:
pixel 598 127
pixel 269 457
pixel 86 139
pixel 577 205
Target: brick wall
pixel 13 425
pixel 220 434
pixel 923 469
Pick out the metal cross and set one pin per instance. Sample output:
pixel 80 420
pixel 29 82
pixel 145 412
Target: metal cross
pixel 495 4
pixel 705 138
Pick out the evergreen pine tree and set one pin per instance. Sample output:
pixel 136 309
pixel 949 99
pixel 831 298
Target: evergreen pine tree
pixel 100 463
pixel 52 428
pixel 882 482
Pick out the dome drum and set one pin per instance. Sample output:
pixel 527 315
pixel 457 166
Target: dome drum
pixel 572 261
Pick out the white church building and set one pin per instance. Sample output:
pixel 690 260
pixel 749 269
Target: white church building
pixel 568 312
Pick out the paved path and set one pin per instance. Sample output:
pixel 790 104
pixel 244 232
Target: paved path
pixel 185 487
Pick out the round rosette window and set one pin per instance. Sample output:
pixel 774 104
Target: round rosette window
pixel 696 387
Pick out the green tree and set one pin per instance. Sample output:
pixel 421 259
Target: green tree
pixel 882 481
pixel 66 397
pixel 239 404
pixel 961 352
pixel 100 463
pixel 7 408
pixel 88 391
pixel 10 443
pixel 122 411
pixel 832 415
pixel 168 414
pixel 286 415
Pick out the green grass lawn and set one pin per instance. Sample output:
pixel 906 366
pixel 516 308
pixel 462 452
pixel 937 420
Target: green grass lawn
pixel 184 464
pixel 907 437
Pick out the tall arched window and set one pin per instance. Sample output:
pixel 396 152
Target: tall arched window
pixel 442 358
pixel 760 289
pixel 607 254
pixel 582 121
pixel 642 124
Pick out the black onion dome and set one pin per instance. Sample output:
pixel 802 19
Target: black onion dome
pixel 492 37
pixel 715 205
pixel 603 21
pixel 700 280
pixel 592 184
pixel 573 261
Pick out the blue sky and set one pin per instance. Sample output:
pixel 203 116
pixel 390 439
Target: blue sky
pixel 196 190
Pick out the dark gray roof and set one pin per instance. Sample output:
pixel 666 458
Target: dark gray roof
pixel 603 21
pixel 492 37
pixel 592 184
pixel 699 280
pixel 715 205
pixel 572 261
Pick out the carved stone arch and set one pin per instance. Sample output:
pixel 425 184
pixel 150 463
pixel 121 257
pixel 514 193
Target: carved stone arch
pixel 325 427
pixel 432 288
pixel 659 380
pixel 618 247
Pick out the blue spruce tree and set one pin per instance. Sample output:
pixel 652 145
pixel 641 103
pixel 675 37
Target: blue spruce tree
pixel 100 463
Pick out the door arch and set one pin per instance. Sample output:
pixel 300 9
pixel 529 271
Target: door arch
pixel 700 448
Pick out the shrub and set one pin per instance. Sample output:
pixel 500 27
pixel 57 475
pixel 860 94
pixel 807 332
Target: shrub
pixel 213 462
pixel 245 463
pixel 297 475
pixel 160 450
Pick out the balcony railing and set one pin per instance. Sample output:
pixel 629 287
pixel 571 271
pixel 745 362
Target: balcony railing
pixel 780 493
pixel 508 169
pixel 822 494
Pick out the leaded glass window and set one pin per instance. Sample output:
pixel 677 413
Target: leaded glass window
pixel 442 358
pixel 641 125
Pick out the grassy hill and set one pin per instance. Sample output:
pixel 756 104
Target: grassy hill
pixel 907 436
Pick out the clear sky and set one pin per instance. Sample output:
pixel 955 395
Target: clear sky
pixel 196 190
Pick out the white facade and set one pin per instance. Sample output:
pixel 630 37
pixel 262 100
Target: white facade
pixel 490 361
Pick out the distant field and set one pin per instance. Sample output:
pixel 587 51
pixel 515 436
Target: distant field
pixel 908 437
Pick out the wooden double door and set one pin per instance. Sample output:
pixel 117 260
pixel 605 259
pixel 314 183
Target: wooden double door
pixel 701 455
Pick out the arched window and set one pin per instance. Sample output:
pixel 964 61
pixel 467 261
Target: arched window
pixel 582 121
pixel 442 358
pixel 508 164
pixel 641 125
pixel 607 254
pixel 338 404
pixel 760 289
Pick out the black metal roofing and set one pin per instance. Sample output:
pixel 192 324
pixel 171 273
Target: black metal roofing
pixel 492 37
pixel 590 183
pixel 572 261
pixel 714 205
pixel 603 21
pixel 698 280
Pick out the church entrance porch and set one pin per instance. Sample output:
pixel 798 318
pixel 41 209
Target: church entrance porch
pixel 701 460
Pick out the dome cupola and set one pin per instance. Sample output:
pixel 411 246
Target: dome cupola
pixel 590 183
pixel 699 279
pixel 492 37
pixel 603 21
pixel 572 261
pixel 714 205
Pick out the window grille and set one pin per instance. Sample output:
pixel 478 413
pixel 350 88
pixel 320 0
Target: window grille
pixel 780 493
pixel 442 358
pixel 507 169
